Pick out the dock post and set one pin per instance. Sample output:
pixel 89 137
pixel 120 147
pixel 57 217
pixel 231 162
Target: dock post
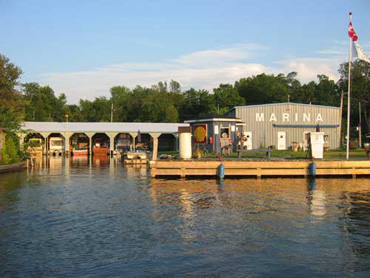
pixel 90 135
pixel 259 175
pixel 183 173
pixel 221 171
pixel 133 135
pixel 155 144
pixel 111 136
pixel 185 142
pixel 67 137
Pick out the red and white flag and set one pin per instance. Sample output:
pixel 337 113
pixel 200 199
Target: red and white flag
pixel 352 33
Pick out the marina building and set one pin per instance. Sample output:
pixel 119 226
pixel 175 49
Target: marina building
pixel 286 125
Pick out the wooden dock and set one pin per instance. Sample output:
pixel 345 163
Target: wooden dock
pixel 259 168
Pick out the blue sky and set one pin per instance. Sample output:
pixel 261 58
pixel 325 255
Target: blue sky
pixel 83 48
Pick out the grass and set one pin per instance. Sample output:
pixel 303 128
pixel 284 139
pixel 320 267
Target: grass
pixel 330 154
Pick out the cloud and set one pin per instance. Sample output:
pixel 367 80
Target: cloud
pixel 309 68
pixel 204 69
pixel 331 52
pixel 216 57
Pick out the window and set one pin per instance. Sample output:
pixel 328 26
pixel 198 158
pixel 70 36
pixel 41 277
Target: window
pixel 225 132
pixel 306 136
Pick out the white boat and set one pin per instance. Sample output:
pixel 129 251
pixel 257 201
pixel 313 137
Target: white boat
pixel 135 157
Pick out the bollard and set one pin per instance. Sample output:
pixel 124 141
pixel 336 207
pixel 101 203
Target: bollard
pixel 221 171
pixel 313 168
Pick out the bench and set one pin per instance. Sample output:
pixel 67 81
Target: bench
pixel 267 151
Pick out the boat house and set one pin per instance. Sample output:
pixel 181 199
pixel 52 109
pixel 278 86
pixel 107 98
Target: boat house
pixel 155 136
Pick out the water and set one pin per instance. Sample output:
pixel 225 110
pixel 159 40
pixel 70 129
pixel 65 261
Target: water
pixel 100 219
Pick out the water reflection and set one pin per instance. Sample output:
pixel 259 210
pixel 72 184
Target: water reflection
pixel 104 218
pixel 316 199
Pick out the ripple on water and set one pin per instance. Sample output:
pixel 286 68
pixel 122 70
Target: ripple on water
pixel 100 219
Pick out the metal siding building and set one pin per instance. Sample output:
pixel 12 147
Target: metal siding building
pixel 215 125
pixel 289 122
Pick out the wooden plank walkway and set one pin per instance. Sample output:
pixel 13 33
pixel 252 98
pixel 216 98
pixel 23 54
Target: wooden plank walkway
pixel 259 168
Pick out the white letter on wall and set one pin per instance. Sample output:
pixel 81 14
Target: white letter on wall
pixel 273 117
pixel 285 117
pixel 307 117
pixel 260 118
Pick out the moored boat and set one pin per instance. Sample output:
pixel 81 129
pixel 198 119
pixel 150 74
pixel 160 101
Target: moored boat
pixel 79 152
pixel 135 157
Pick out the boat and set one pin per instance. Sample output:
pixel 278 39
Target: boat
pixel 135 157
pixel 76 152
pixel 100 149
pixel 56 146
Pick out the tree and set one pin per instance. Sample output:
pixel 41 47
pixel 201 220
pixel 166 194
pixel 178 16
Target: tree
pixel 11 109
pixel 325 92
pixel 97 111
pixel 121 97
pixel 10 152
pixel 42 104
pixel 265 88
pixel 360 91
pixel 227 96
pixel 11 103
pixel 171 114
pixel 74 113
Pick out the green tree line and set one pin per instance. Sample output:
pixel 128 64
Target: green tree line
pixel 168 102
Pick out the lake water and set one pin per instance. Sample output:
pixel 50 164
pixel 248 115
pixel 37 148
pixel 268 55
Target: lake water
pixel 80 218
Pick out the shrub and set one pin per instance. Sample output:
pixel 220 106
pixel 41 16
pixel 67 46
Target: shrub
pixel 10 151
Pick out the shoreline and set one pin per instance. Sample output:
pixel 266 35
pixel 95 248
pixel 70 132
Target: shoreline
pixel 19 166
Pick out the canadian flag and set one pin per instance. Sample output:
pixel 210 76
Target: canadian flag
pixel 352 33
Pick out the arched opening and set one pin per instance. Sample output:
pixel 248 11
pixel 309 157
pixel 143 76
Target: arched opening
pixel 123 142
pixel 56 144
pixel 79 144
pixel 144 142
pixel 166 142
pixel 35 144
pixel 100 142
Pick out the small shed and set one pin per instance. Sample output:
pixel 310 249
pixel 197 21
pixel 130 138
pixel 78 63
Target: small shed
pixel 215 134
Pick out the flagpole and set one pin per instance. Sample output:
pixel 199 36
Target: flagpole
pixel 349 89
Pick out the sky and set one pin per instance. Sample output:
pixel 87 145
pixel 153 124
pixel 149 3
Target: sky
pixel 83 48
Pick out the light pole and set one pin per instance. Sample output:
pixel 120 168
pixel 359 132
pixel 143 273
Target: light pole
pixel 66 115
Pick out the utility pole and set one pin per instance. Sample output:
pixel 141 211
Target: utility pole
pixel 111 113
pixel 359 126
pixel 66 115
pixel 340 119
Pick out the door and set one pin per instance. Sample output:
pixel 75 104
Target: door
pixel 281 140
pixel 247 144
